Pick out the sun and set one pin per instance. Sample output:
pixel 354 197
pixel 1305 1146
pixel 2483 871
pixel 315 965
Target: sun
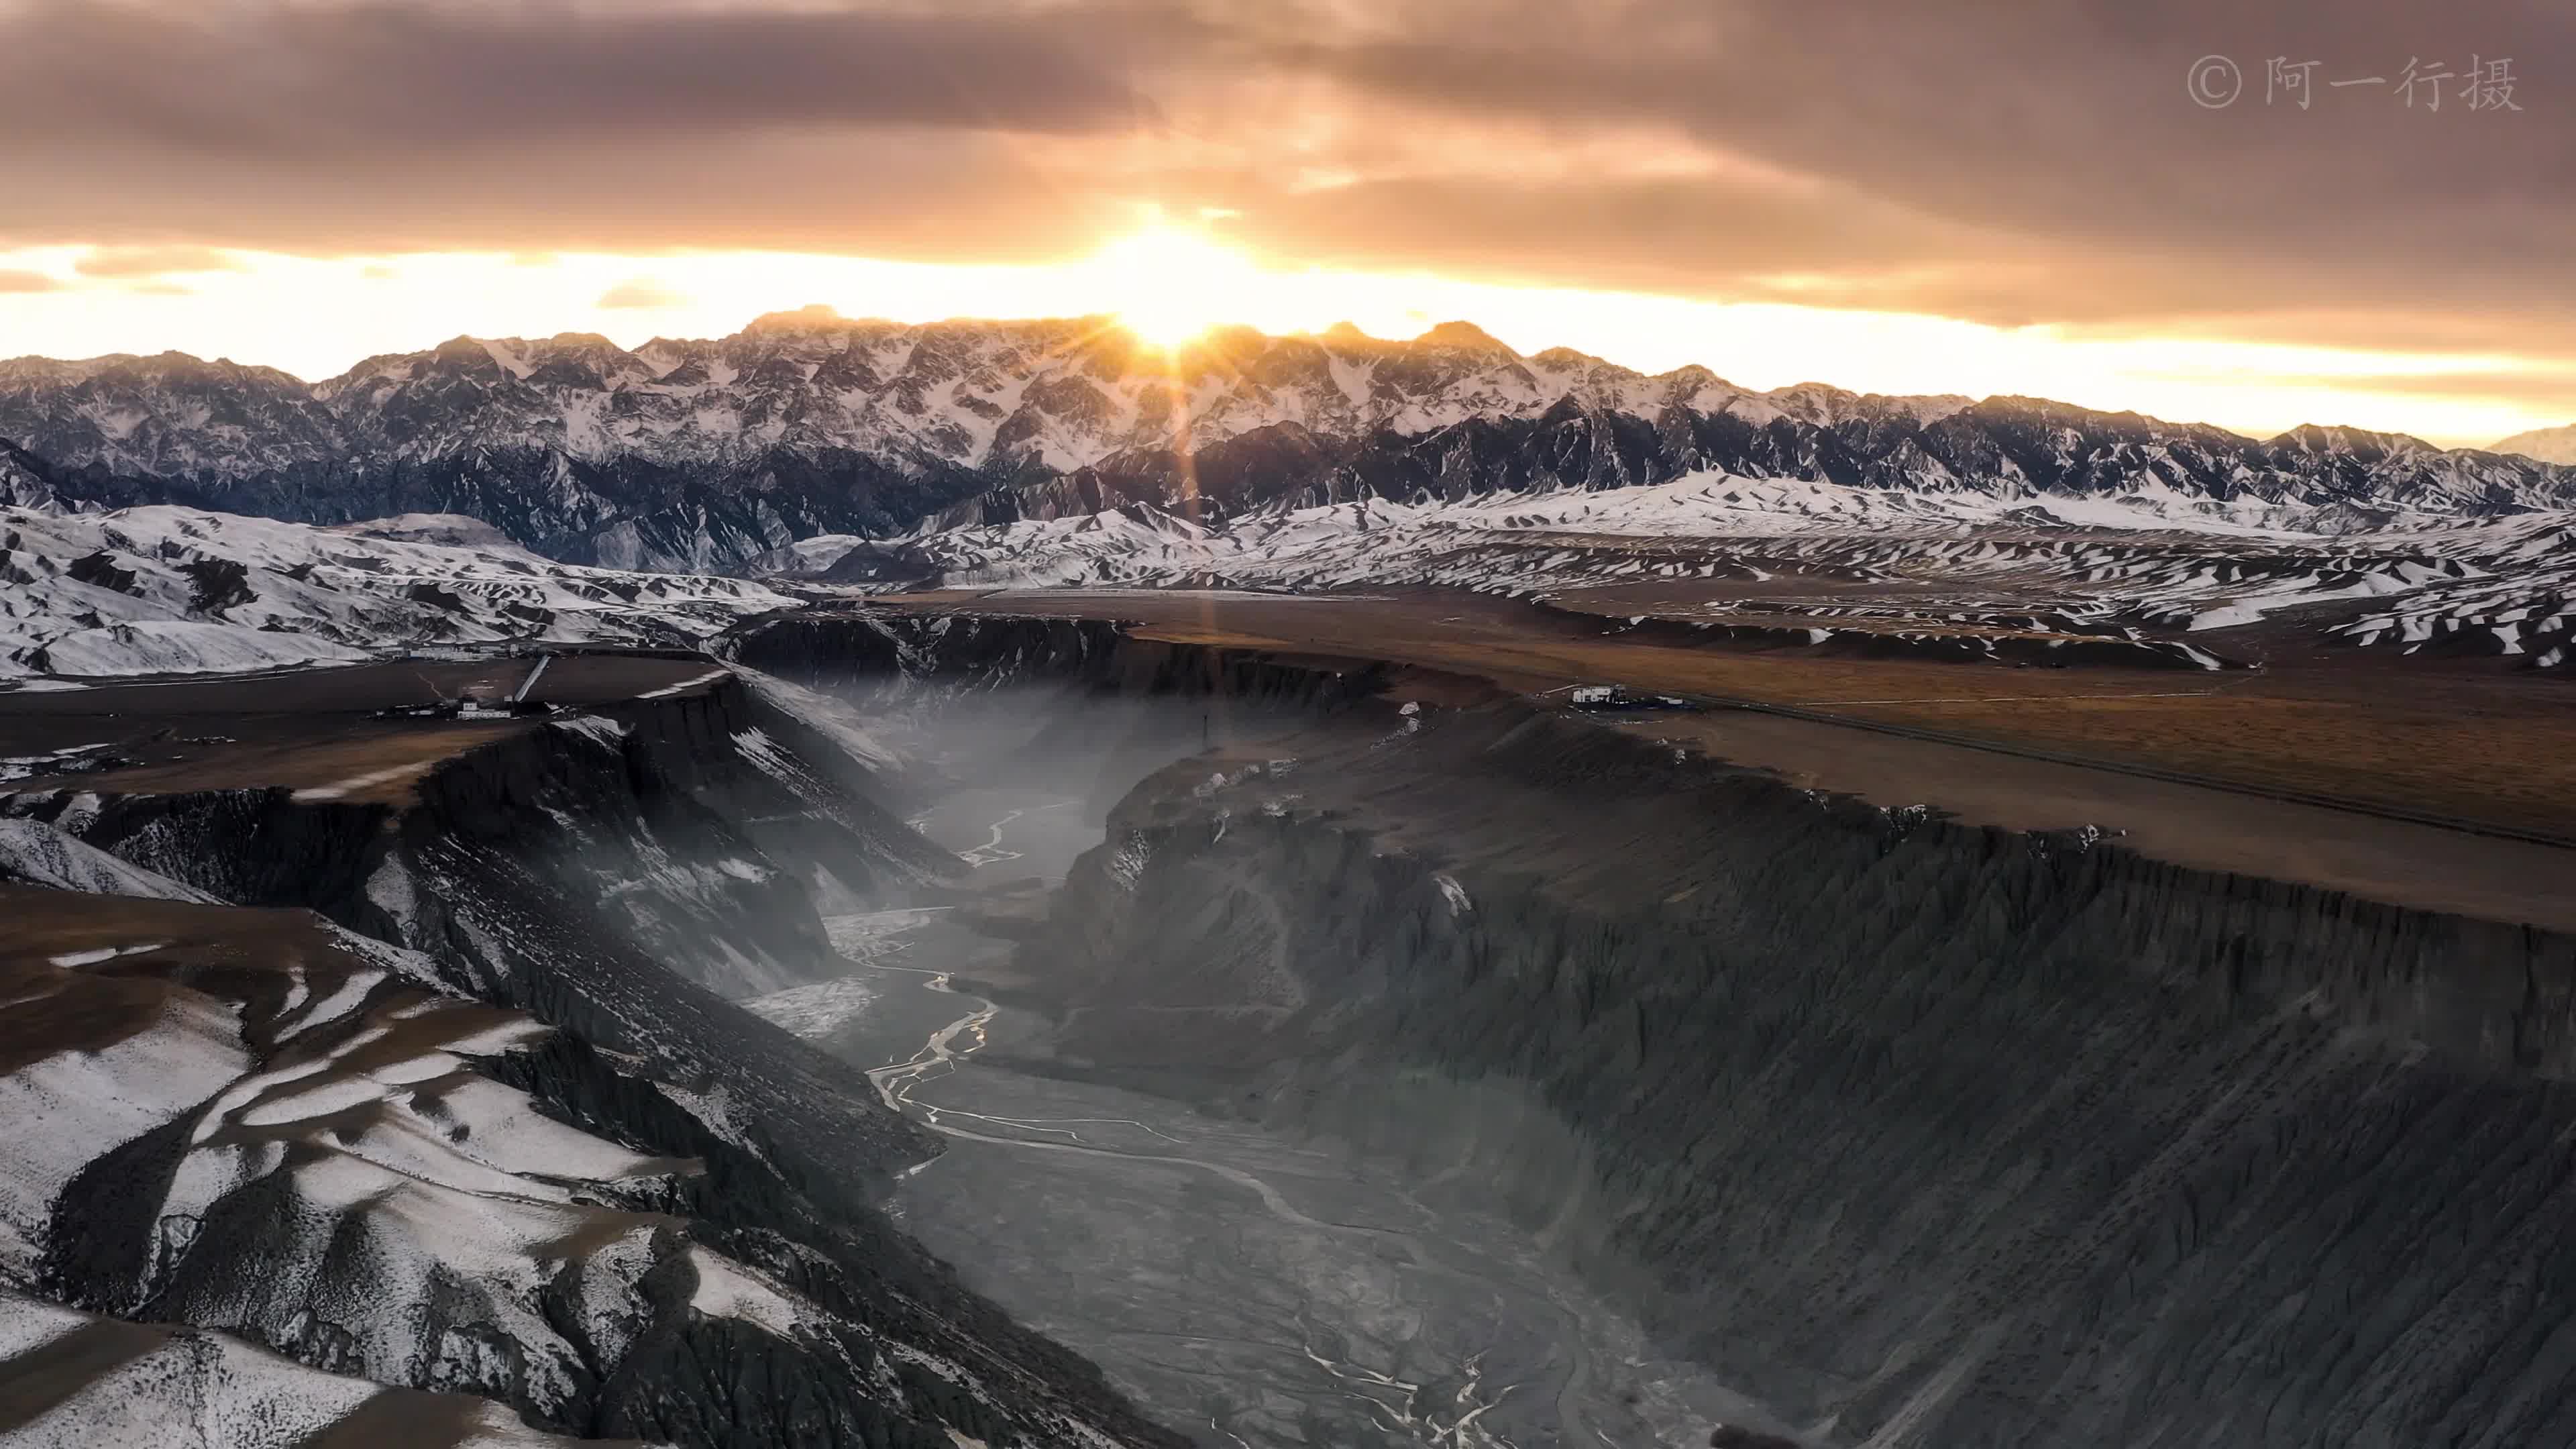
pixel 1169 285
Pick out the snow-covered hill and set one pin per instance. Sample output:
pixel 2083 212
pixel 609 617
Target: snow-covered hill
pixel 173 590
pixel 504 1167
pixel 707 454
pixel 1826 560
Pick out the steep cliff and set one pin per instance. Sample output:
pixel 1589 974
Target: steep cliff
pixel 1925 1134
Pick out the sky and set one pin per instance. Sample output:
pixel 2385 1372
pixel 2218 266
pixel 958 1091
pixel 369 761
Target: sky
pixel 2120 204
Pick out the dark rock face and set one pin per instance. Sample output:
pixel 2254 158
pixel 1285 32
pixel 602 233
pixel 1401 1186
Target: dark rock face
pixel 984 651
pixel 217 584
pixel 1729 1436
pixel 27 481
pixel 1946 1136
pixel 99 570
pixel 820 648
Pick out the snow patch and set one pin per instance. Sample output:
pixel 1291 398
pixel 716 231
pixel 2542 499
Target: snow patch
pixel 1455 894
pixel 727 1289
pixel 342 789
pixel 685 685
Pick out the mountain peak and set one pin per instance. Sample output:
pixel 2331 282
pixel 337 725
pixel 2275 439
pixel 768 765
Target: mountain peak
pixel 1344 331
pixel 1568 357
pixel 2547 445
pixel 812 317
pixel 2333 437
pixel 1465 335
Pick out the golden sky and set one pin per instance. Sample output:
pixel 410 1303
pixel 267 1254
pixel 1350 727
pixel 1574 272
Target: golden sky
pixel 2020 196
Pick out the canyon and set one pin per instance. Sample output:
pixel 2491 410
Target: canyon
pixel 1903 1127
pixel 1192 1016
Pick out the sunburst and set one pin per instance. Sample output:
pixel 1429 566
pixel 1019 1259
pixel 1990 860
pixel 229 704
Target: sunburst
pixel 1169 285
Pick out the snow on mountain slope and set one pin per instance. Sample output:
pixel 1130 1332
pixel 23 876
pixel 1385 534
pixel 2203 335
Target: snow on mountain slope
pixel 172 590
pixel 2516 596
pixel 1830 560
pixel 307 1066
pixel 1484 542
pixel 418 1222
pixel 182 1388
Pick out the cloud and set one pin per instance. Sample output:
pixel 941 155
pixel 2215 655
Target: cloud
pixel 20 281
pixel 160 289
pixel 2020 162
pixel 1653 233
pixel 270 81
pixel 153 261
pixel 2543 393
pixel 2064 124
pixel 642 293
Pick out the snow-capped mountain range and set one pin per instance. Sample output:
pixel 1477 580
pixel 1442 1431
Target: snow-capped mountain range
pixel 708 454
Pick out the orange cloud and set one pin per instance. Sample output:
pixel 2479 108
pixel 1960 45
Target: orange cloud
pixel 153 261
pixel 641 294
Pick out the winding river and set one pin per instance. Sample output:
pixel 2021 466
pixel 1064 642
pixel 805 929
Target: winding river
pixel 1276 1292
